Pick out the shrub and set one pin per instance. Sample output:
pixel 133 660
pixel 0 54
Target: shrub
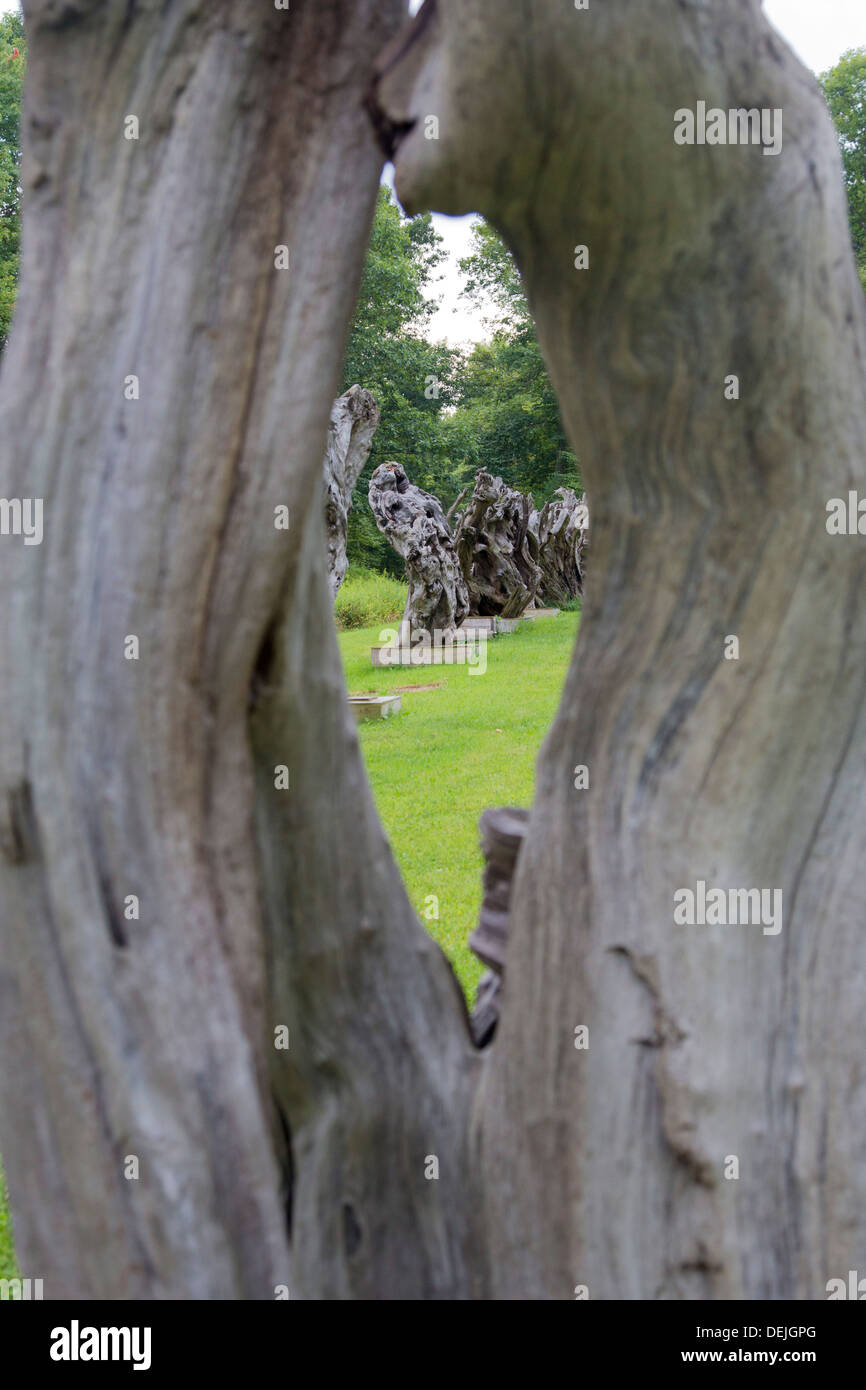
pixel 367 598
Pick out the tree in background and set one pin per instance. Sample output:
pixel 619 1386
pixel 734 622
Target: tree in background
pixel 844 86
pixel 13 53
pixel 413 380
pixel 507 405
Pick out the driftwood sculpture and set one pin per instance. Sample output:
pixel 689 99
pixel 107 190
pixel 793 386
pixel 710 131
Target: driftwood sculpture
pixel 561 530
pixel 354 421
pixel 502 833
pixel 497 550
pixel 415 524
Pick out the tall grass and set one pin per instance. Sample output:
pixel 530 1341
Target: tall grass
pixel 8 1268
pixel 367 598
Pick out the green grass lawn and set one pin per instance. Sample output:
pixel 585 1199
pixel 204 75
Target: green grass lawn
pixel 8 1269
pixel 452 752
pixel 469 744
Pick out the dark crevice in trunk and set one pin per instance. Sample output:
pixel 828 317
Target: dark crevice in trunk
pixel 286 1160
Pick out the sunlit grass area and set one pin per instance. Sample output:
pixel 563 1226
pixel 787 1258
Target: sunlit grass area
pixel 453 751
pixel 8 1268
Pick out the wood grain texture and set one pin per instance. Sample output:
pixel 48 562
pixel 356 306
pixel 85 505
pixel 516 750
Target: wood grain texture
pixel 154 1037
pixel 354 421
pixel 561 529
pixel 497 551
pixel 708 520
pixel 266 909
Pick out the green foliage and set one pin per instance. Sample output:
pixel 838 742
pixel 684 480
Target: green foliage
pixel 844 87
pixel 367 598
pixel 509 410
pixel 412 379
pixel 507 406
pixel 446 414
pixel 8 1267
pixel 12 68
pixel 452 752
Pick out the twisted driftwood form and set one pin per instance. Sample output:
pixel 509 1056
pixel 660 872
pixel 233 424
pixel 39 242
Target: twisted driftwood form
pixel 415 524
pixel 449 515
pixel 502 833
pixel 354 421
pixel 266 909
pixel 497 551
pixel 561 530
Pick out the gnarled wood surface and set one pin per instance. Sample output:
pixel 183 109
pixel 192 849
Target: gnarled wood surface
pixel 708 520
pixel 260 908
pixel 415 524
pixel 264 906
pixel 561 531
pixel 354 421
pixel 497 550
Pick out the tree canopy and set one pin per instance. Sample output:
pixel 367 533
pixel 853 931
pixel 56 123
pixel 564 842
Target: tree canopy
pixel 507 404
pixel 13 56
pixel 844 87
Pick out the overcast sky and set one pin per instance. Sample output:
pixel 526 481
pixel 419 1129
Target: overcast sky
pixel 818 30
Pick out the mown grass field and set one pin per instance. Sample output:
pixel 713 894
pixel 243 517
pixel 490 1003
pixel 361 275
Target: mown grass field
pixel 7 1253
pixel 452 752
pixel 470 743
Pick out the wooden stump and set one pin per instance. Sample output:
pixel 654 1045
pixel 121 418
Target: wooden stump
pixel 354 421
pixel 414 523
pixel 561 530
pixel 497 550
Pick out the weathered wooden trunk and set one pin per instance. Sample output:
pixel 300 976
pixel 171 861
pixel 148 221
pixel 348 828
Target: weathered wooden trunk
pixel 167 903
pixel 497 550
pixel 670 763
pixel 561 531
pixel 354 421
pixel 192 874
pixel 414 523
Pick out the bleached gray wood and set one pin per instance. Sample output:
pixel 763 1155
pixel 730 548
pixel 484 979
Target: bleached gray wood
pixel 561 530
pixel 414 523
pixel 263 908
pixel 259 908
pixel 708 520
pixel 497 550
pixel 354 421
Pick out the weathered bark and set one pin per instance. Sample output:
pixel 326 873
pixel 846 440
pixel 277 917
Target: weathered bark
pixel 502 835
pixel 415 525
pixel 155 777
pixel 262 907
pixel 561 531
pixel 497 551
pixel 354 421
pixel 708 520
